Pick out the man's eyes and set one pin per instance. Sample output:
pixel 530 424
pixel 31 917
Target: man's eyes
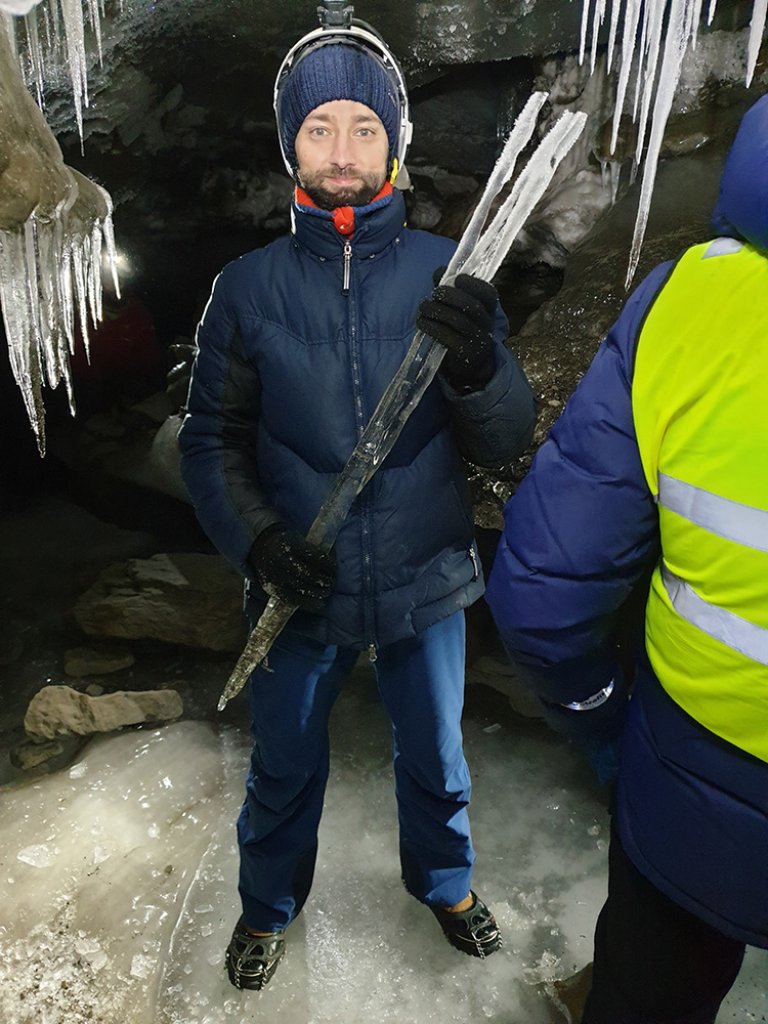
pixel 321 132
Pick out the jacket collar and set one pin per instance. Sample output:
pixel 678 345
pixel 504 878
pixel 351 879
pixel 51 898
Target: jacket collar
pixel 370 228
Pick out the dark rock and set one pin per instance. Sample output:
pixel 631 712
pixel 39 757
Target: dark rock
pixel 189 599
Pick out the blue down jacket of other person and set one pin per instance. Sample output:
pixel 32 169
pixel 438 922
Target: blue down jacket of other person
pixel 581 536
pixel 295 348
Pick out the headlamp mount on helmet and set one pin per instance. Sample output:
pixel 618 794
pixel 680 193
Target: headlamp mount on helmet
pixel 335 14
pixel 339 26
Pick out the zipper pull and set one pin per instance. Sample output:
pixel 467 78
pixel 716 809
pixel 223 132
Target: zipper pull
pixel 347 264
pixel 371 653
pixel 475 566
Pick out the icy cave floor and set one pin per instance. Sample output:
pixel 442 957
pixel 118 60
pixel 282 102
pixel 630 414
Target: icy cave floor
pixel 121 874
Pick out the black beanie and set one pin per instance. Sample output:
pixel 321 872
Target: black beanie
pixel 336 71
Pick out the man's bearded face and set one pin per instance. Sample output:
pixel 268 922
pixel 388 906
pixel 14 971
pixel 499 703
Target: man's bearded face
pixel 342 151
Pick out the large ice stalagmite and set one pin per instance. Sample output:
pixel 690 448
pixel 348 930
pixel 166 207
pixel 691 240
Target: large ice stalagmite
pixel 54 226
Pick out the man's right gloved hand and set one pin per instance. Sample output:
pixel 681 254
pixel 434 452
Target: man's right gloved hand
pixel 288 566
pixel 461 317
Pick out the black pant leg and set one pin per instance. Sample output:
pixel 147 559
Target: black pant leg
pixel 655 963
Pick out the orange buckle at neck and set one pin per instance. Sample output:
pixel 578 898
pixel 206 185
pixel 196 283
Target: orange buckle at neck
pixel 343 217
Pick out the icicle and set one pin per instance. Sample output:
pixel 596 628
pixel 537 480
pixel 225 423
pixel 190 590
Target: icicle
pixel 695 21
pixel 615 13
pixel 629 37
pixel 653 42
pixel 503 170
pixel 35 53
pixel 109 240
pixel 95 15
pixel 74 31
pixel 597 22
pixel 489 253
pixel 615 166
pixel 53 7
pixel 584 23
pixel 49 37
pixel 756 29
pixel 19 317
pixel 674 50
pixel 641 52
pixel 603 172
pixel 711 12
pixel 10 28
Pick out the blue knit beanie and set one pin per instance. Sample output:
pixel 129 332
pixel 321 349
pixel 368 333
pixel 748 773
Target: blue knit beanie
pixel 336 71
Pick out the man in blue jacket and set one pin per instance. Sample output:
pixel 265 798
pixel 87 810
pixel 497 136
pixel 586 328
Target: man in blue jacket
pixel 296 346
pixel 660 463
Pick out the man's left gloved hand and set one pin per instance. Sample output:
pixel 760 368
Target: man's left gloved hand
pixel 461 317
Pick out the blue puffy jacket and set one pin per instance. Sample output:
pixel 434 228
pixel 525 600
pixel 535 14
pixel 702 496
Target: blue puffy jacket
pixel 580 536
pixel 290 367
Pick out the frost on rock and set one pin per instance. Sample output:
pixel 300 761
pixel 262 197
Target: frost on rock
pixel 655 39
pixel 54 226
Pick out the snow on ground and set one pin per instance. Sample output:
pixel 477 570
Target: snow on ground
pixel 121 875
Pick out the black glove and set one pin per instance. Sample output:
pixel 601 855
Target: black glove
pixel 289 567
pixel 597 719
pixel 461 317
pixel 596 725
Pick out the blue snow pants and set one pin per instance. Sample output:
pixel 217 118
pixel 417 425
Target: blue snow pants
pixel 421 682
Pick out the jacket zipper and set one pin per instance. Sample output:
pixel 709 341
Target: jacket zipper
pixel 358 388
pixel 347 266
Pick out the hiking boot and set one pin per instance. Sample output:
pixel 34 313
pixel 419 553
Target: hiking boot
pixel 473 931
pixel 252 959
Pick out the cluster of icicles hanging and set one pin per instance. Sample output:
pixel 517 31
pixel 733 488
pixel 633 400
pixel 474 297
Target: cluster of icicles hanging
pixel 51 262
pixel 655 36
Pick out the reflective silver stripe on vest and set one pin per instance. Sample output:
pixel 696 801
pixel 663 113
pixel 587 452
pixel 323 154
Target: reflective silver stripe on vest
pixel 730 519
pixel 729 629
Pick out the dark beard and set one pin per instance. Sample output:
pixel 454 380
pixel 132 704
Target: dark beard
pixel 359 193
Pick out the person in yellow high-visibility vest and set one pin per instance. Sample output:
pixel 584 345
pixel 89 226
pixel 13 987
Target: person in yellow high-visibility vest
pixel 659 466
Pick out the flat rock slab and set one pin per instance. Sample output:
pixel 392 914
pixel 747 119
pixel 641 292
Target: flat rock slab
pixel 60 710
pixel 189 599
